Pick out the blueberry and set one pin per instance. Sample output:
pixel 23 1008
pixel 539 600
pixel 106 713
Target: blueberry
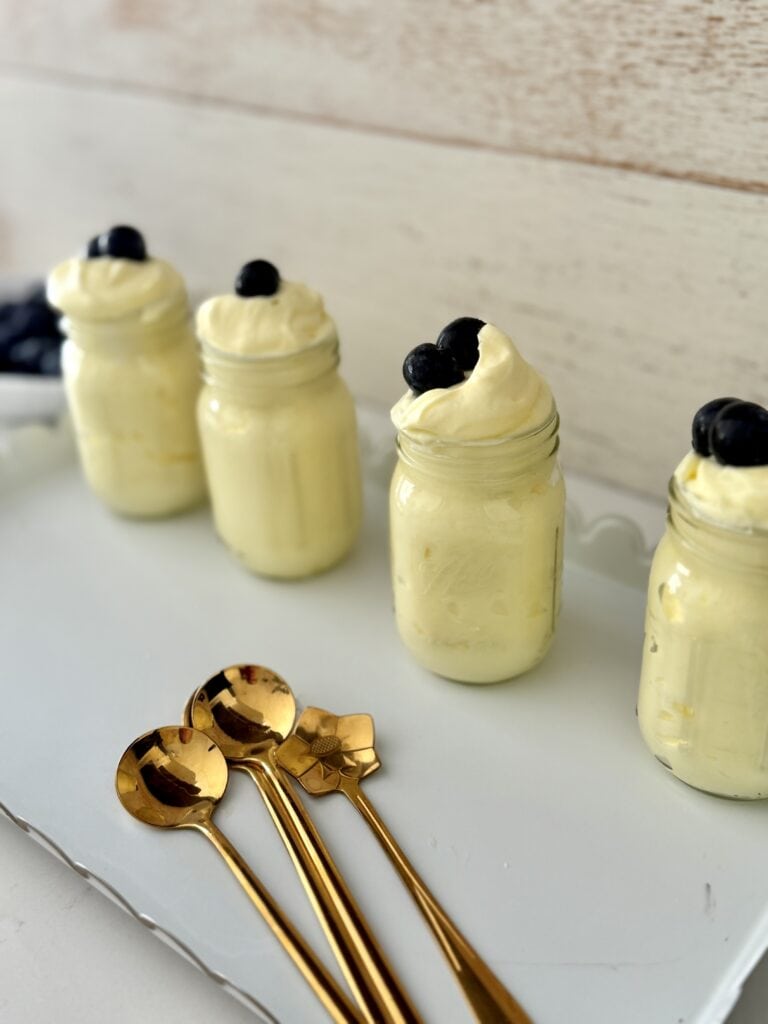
pixel 36 296
pixel 34 315
pixel 122 243
pixel 259 277
pixel 93 249
pixel 427 367
pixel 24 356
pixel 459 338
pixel 50 362
pixel 702 423
pixel 27 320
pixel 739 435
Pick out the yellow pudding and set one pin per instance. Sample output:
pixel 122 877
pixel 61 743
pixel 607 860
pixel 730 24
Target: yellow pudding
pixel 132 376
pixel 279 432
pixel 703 700
pixel 476 519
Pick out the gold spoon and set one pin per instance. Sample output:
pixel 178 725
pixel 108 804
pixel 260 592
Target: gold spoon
pixel 326 754
pixel 247 710
pixel 173 777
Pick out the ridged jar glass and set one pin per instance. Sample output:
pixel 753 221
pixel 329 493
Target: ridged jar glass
pixel 279 436
pixel 703 701
pixel 476 537
pixel 132 388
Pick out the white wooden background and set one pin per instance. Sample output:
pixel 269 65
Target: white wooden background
pixel 592 176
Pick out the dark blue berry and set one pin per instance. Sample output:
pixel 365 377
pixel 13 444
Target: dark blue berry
pixel 459 338
pixel 24 356
pixel 40 316
pixel 36 296
pixel 28 320
pixel 259 277
pixel 427 367
pixel 50 362
pixel 93 249
pixel 702 423
pixel 30 336
pixel 739 435
pixel 123 243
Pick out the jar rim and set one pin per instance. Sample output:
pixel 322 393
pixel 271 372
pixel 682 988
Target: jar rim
pixel 545 428
pixel 134 325
pixel 208 349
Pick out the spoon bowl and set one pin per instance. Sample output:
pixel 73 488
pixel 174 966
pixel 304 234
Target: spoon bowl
pixel 244 709
pixel 172 777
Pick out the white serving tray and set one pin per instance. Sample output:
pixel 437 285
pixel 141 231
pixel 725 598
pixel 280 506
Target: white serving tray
pixel 600 889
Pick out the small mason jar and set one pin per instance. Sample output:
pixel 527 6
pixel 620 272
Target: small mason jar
pixel 476 546
pixel 703 702
pixel 279 437
pixel 132 387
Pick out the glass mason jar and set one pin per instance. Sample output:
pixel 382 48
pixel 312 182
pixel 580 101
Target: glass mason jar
pixel 476 546
pixel 703 702
pixel 132 388
pixel 279 437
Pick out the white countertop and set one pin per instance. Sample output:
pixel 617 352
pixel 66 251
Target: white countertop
pixel 70 955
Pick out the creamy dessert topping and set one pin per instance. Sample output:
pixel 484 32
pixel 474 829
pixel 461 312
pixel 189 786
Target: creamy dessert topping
pixel 725 478
pixel 258 321
pixel 500 396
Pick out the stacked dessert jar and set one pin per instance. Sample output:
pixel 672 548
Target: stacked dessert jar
pixel 278 427
pixel 703 701
pixel 476 507
pixel 131 374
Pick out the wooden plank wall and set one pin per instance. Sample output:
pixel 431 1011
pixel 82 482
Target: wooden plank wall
pixel 591 176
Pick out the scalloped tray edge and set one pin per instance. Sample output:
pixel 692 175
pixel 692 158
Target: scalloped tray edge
pixel 112 894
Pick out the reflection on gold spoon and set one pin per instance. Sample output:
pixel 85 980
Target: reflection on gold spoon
pixel 173 778
pixel 247 710
pixel 327 754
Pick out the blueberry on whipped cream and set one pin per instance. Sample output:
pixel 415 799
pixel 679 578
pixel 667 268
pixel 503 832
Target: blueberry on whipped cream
pixel 427 367
pixel 259 277
pixel 459 337
pixel 724 478
pixel 445 363
pixel 121 243
pixel 702 423
pixel 92 250
pixel 738 435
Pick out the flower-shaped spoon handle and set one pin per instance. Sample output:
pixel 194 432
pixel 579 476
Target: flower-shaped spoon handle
pixel 328 754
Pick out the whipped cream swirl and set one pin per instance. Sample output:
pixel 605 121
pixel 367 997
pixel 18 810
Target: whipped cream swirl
pixel 503 395
pixel 106 289
pixel 735 496
pixel 292 319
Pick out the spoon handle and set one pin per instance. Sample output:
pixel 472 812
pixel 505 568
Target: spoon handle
pixel 489 1000
pixel 315 974
pixel 375 985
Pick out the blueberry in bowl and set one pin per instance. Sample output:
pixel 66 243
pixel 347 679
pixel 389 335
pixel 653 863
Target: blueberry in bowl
pixel 30 356
pixel 29 333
